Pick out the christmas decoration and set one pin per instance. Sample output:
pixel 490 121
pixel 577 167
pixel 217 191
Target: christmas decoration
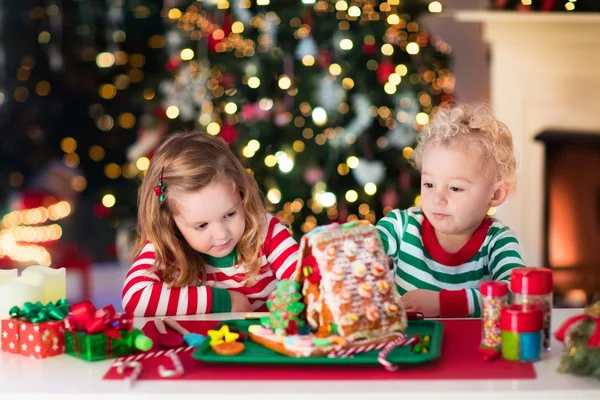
pixel 285 307
pixel 71 102
pixel 546 5
pixel 321 101
pixel 92 334
pixel 290 85
pixel 581 335
pixel 35 330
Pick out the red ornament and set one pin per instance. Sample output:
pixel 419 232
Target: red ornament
pixel 101 212
pixel 229 133
pixel 220 32
pixel 160 113
pixel 548 5
pixel 384 70
pixel 324 59
pixel 33 198
pixel 369 48
pixel 173 64
pixel 228 80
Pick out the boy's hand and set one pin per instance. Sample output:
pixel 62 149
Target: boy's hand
pixel 422 300
pixel 239 302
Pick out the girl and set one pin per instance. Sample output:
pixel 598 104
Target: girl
pixel 205 241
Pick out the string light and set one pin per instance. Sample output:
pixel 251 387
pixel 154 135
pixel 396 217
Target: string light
pixel 274 196
pixel 351 196
pixel 412 48
pixel 109 200
pixel 436 7
pixel 352 162
pixel 370 188
pixel 319 123
pixel 19 226
pixel 319 116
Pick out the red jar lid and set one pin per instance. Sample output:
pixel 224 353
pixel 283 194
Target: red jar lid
pixel 521 318
pixel 493 288
pixel 531 280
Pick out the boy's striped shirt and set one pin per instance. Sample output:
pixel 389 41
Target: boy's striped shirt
pixel 495 255
pixel 145 294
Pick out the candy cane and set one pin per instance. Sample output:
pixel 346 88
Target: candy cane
pixel 400 341
pixel 172 373
pixel 135 365
pixel 152 354
pixel 346 353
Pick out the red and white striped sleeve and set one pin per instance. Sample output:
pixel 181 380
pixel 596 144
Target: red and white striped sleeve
pixel 280 248
pixel 146 295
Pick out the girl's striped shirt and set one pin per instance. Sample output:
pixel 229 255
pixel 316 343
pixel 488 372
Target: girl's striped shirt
pixel 145 294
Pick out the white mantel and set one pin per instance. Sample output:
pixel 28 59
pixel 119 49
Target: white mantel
pixel 545 74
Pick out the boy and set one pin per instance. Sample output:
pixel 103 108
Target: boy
pixel 443 249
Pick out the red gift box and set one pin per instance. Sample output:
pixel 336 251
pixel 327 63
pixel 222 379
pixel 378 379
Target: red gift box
pixel 36 340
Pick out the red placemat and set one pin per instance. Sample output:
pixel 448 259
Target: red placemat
pixel 459 360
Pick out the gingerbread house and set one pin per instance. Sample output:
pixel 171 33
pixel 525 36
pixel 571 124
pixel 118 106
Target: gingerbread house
pixel 343 296
pixel 346 284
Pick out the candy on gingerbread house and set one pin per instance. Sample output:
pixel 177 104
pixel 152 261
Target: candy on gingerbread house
pixel 343 295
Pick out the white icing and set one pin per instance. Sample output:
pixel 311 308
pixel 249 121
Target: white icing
pixel 350 248
pixel 359 269
pixel 347 277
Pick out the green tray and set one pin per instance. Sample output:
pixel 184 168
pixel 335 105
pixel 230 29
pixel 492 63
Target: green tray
pixel 257 354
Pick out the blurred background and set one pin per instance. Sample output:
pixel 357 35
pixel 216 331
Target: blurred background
pixel 321 99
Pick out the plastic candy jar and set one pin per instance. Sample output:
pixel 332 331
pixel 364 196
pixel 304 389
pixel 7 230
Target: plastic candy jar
pixel 534 286
pixel 493 298
pixel 521 327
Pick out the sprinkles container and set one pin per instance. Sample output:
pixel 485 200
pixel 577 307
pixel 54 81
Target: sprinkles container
pixel 493 298
pixel 521 327
pixel 533 286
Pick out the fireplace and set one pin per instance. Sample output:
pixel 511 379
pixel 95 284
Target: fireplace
pixel 571 213
pixel 544 79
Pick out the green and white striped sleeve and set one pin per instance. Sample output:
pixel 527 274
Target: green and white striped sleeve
pixel 390 229
pixel 504 254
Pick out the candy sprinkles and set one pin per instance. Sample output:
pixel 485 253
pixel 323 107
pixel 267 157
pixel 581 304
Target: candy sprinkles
pixel 493 299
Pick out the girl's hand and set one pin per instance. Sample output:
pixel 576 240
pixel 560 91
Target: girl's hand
pixel 239 302
pixel 422 300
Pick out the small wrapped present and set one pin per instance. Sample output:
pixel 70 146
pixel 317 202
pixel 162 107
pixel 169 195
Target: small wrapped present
pixel 35 330
pixel 98 334
pixel 581 335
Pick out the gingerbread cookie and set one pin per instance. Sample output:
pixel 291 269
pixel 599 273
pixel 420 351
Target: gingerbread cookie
pixel 228 348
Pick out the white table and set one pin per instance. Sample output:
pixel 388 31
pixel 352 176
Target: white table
pixel 64 377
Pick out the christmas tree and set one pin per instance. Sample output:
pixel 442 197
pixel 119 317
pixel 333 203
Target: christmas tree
pixel 321 99
pixel 69 75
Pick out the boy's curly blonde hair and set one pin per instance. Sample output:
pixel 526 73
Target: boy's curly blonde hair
pixel 472 126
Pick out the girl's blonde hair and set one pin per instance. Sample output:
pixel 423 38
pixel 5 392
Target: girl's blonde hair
pixel 468 125
pixel 192 161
